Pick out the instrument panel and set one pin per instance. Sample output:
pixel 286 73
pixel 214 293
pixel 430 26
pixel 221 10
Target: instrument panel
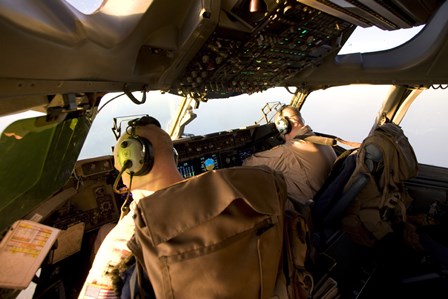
pixel 222 150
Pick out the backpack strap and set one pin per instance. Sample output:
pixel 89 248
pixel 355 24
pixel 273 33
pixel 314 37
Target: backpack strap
pixel 327 140
pixel 296 255
pixel 140 286
pixel 133 283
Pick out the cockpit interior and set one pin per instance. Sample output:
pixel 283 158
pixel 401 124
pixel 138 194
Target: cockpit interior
pixel 61 62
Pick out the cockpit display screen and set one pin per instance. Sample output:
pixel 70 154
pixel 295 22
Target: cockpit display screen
pixel 188 169
pixel 244 154
pixel 209 162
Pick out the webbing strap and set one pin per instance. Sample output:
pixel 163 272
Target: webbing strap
pixel 325 140
pixel 133 282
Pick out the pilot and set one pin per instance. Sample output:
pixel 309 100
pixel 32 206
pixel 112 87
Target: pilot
pixel 113 249
pixel 304 164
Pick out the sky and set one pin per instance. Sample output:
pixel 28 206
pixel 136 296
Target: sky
pixel 86 6
pixel 373 39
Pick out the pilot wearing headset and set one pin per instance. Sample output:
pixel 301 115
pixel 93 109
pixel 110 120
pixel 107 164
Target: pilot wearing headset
pixel 143 174
pixel 304 164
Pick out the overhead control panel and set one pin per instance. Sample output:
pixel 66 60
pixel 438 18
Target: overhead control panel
pixel 231 47
pixel 252 51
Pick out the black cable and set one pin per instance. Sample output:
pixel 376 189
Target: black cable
pixel 110 101
pixel 440 86
pixel 287 89
pixel 134 99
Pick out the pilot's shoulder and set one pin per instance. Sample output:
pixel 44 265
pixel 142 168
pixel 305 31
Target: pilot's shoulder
pixel 274 152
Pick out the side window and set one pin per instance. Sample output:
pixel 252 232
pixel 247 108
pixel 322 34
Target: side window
pixel 347 112
pixel 426 126
pixel 101 138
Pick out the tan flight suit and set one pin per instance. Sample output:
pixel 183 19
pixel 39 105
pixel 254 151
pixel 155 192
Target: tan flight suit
pixel 305 165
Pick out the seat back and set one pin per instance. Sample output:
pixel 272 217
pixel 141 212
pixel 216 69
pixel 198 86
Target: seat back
pixel 333 189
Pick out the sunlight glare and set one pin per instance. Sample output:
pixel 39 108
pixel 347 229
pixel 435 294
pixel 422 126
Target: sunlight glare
pixel 111 7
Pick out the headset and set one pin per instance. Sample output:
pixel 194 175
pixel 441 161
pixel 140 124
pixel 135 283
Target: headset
pixel 283 124
pixel 135 154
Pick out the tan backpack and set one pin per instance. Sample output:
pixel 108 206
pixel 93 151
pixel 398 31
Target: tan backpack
pixel 219 235
pixel 384 161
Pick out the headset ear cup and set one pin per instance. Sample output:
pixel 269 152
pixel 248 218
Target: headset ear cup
pixel 283 125
pixel 148 157
pixel 139 152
